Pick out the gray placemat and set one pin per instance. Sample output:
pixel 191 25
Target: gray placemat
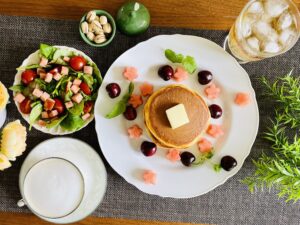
pixel 230 203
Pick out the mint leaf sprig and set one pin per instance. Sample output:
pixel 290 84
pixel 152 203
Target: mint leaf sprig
pixel 279 167
pixel 188 62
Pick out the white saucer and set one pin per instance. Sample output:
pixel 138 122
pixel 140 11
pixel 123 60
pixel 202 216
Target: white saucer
pixel 88 162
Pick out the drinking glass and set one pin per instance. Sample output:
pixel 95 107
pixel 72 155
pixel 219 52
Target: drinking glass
pixel 264 28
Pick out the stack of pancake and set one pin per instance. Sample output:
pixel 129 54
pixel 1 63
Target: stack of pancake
pixel 158 125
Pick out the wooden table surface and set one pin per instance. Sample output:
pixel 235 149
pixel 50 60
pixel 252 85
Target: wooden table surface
pixel 197 14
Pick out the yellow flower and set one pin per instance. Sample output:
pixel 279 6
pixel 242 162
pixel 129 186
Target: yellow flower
pixel 4 163
pixel 13 141
pixel 3 96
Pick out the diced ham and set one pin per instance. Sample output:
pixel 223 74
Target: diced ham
pixel 68 86
pixel 42 75
pixel 64 70
pixel 43 62
pixel 19 98
pixel 57 76
pixel 77 82
pixel 49 104
pixel 88 70
pixel 77 98
pixel 66 58
pixel 149 177
pixel 37 92
pixel 86 116
pixel 45 115
pixel 42 123
pixel 75 89
pixel 40 70
pixel 45 96
pixel 53 113
pixel 69 104
pixel 48 77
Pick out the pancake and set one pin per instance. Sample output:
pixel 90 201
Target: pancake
pixel 158 124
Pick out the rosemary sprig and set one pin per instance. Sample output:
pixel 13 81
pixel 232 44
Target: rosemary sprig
pixel 279 168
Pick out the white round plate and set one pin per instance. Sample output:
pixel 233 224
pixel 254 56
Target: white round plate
pixel 88 162
pixel 240 124
pixel 34 58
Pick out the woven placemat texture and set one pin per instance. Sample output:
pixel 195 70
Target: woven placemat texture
pixel 230 203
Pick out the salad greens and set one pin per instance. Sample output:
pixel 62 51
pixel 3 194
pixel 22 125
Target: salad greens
pixel 59 89
pixel 188 62
pixel 279 168
pixel 120 106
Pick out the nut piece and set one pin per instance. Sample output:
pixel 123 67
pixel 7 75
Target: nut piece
pixel 96 23
pixel 97 18
pixel 99 39
pixel 103 20
pixel 90 36
pixel 90 16
pixel 85 27
pixel 98 31
pixel 91 27
pixel 107 28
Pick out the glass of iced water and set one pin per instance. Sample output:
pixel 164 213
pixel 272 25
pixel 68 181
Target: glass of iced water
pixel 264 28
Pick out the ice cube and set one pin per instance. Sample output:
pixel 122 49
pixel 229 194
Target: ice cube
pixel 271 47
pixel 253 42
pixel 287 35
pixel 256 8
pixel 275 7
pixel 285 20
pixel 264 31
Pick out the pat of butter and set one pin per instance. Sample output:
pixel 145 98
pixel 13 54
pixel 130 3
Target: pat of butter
pixel 177 116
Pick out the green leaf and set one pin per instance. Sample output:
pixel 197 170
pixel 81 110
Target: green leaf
pixel 72 122
pixel 173 57
pixel 77 109
pixel 88 79
pixel 59 53
pixel 217 167
pixel 201 158
pixel 47 51
pixel 33 66
pixel 189 64
pixel 120 106
pixel 97 73
pixel 41 83
pixel 17 88
pixel 35 113
pixel 56 122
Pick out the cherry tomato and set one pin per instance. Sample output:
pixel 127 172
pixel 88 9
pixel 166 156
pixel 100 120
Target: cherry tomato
pixel 85 88
pixel 25 106
pixel 59 106
pixel 77 63
pixel 55 70
pixel 28 76
pixel 88 106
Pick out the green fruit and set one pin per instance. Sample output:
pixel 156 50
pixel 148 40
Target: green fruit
pixel 133 18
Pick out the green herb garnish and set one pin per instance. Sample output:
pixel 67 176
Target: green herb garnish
pixel 202 158
pixel 120 106
pixel 33 66
pixel 279 168
pixel 217 167
pixel 188 62
pixel 17 88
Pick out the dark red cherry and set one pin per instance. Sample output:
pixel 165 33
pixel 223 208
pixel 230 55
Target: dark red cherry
pixel 113 90
pixel 166 72
pixel 215 111
pixel 187 158
pixel 130 113
pixel 228 163
pixel 204 77
pixel 148 148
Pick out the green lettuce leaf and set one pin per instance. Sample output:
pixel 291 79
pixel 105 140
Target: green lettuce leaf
pixel 35 113
pixel 56 122
pixel 47 51
pixel 72 122
pixel 17 88
pixel 33 66
pixel 77 109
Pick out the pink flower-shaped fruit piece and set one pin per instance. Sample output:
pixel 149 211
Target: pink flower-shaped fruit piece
pixel 135 100
pixel 204 145
pixel 130 73
pixel 215 130
pixel 242 99
pixel 149 177
pixel 212 91
pixel 173 155
pixel 146 89
pixel 180 74
pixel 135 131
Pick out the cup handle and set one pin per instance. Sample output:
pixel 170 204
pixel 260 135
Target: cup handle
pixel 21 203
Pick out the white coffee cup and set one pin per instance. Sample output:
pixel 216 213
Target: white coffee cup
pixel 53 188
